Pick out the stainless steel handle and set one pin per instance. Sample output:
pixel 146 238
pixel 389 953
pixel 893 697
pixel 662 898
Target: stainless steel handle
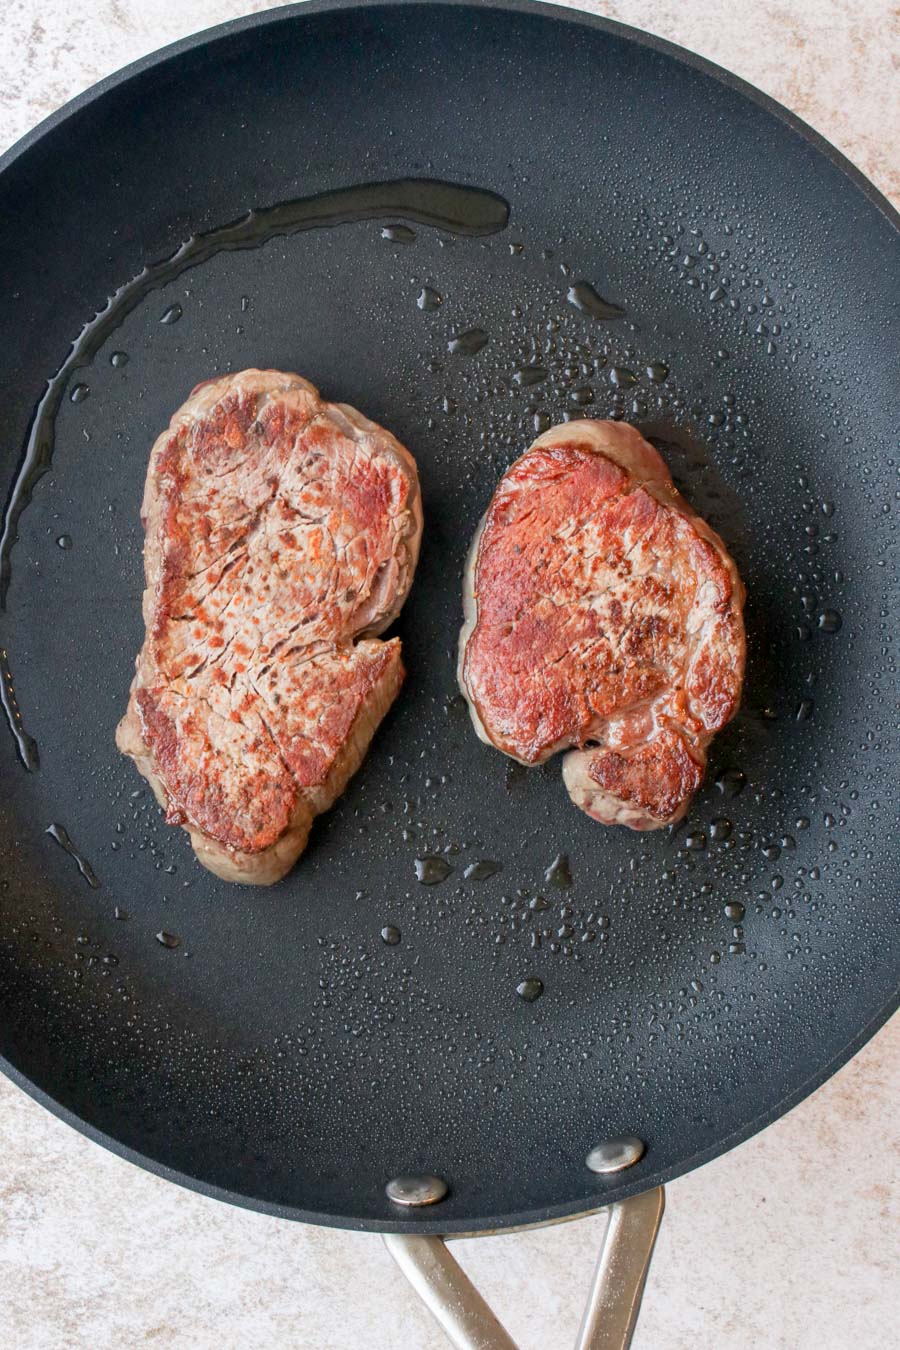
pixel 445 1288
pixel 618 1286
pixel 613 1303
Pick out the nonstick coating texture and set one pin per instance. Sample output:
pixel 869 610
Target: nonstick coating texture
pixel 283 1055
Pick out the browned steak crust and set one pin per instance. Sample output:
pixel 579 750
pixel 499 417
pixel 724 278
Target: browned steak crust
pixel 602 613
pixel 282 534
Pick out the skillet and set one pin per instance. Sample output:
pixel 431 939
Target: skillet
pixel 282 1055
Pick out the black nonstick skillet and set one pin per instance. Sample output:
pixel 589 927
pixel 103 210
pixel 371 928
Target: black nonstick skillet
pixel 668 246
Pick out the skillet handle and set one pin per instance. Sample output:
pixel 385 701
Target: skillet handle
pixel 613 1303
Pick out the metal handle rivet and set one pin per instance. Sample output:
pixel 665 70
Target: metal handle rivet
pixel 614 1155
pixel 413 1192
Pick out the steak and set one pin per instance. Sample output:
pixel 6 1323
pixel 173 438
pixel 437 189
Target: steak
pixel 602 613
pixel 282 534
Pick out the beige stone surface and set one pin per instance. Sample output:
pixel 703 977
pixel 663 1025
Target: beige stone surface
pixel 787 1243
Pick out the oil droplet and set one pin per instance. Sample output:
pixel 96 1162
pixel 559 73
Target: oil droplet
pixel 390 935
pixel 695 841
pixel 80 393
pixel 61 836
pixel 586 300
pixel 582 397
pixel 468 343
pixel 830 621
pixel 538 904
pixel 172 314
pixel 168 939
pixel 119 913
pixel 720 829
pixel 621 377
pixel 530 989
pixel 64 541
pixel 481 870
pixel 730 782
pixel 657 372
pixel 734 911
pixel 429 299
pixel 559 873
pixel 430 870
pixel 398 234
pixel 526 376
pixel 118 359
pixel 804 710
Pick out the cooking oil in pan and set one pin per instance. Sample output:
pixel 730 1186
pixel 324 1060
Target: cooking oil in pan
pixel 482 869
pixel 588 301
pixel 61 836
pixel 429 299
pixel 399 234
pixel 432 870
pixel 25 745
pixel 468 342
pixel 559 873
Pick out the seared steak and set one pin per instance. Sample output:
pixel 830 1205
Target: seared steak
pixel 282 534
pixel 602 613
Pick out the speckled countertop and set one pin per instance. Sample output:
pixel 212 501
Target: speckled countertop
pixel 787 1243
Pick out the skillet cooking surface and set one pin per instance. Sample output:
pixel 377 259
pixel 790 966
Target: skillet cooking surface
pixel 283 1055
